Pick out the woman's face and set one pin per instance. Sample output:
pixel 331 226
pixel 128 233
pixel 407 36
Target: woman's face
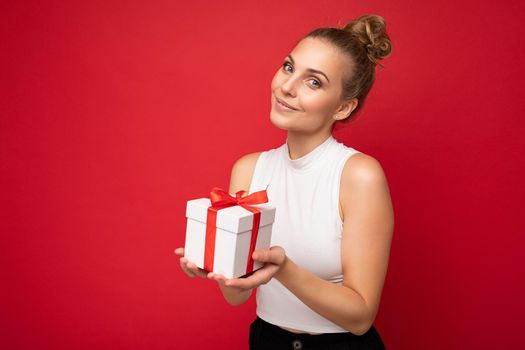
pixel 310 81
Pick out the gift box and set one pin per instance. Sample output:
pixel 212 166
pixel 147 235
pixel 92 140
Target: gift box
pixel 223 231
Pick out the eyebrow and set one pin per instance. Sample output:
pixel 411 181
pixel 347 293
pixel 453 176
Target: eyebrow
pixel 310 69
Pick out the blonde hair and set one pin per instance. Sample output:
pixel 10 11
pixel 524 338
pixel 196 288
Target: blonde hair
pixel 366 42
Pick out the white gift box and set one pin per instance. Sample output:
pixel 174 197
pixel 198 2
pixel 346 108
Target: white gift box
pixel 232 239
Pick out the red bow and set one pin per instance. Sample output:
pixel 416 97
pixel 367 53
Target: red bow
pixel 221 199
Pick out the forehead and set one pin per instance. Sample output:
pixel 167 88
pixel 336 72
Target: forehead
pixel 321 55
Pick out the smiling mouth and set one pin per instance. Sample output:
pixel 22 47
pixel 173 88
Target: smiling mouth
pixel 284 105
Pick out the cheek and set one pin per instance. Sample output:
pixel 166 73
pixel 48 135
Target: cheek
pixel 317 103
pixel 275 81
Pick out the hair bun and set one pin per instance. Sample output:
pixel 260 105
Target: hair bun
pixel 370 30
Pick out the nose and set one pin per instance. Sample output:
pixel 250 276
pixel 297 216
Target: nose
pixel 288 86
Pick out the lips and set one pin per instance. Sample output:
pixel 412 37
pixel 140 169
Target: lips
pixel 285 104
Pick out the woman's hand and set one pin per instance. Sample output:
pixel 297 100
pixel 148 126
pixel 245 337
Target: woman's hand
pixel 188 267
pixel 274 259
pixel 233 295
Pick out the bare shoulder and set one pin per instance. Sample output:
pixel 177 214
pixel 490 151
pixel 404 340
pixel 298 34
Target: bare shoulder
pixel 362 167
pixel 242 172
pixel 362 177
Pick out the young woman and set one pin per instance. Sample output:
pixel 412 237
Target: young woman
pixel 323 277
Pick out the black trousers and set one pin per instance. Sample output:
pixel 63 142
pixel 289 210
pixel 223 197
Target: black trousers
pixel 264 335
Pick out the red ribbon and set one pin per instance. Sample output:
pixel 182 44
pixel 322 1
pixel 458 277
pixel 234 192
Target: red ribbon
pixel 221 199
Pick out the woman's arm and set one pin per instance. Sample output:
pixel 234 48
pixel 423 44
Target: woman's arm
pixel 365 248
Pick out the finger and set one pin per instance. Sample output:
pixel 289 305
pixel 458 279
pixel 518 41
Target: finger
pixel 261 276
pixel 213 276
pixel 196 270
pixel 185 269
pixel 274 255
pixel 217 277
pixel 179 251
pixel 243 283
pixel 192 268
pixel 235 282
pixel 266 273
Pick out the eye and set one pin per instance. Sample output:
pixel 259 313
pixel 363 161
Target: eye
pixel 286 64
pixel 318 83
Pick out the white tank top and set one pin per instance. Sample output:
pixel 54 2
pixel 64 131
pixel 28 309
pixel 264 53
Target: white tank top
pixel 305 193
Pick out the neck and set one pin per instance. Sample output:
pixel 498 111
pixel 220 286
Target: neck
pixel 302 144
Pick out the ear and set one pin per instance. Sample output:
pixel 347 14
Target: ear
pixel 346 109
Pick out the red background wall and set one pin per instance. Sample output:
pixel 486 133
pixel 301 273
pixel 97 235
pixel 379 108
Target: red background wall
pixel 113 114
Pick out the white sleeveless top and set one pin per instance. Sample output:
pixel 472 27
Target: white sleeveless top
pixel 305 193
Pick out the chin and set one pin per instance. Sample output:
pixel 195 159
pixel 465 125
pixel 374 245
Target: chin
pixel 279 120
